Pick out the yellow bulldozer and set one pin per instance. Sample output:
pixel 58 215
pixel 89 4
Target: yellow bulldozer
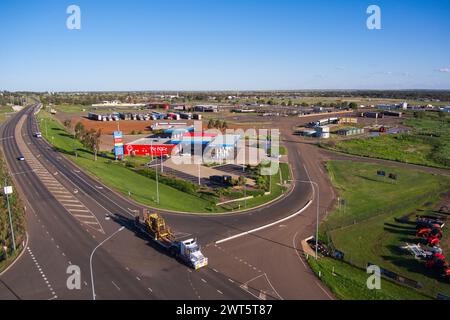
pixel 157 227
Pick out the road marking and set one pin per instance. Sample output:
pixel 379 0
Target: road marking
pixel 220 292
pixel 296 251
pixel 83 216
pixel 331 298
pixel 267 225
pixel 44 277
pixel 150 289
pixel 115 285
pixel 78 210
pixel 73 205
pixel 137 278
pixel 204 280
pixel 68 200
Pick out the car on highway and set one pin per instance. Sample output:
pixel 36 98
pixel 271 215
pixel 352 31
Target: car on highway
pixel 38 135
pixel 21 158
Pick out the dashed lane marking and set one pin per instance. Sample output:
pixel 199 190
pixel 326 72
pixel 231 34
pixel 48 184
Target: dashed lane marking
pixel 44 277
pixel 47 178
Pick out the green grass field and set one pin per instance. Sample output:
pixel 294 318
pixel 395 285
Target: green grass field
pixel 3 111
pixel 349 283
pixel 141 188
pixel 277 189
pixel 364 228
pixel 427 144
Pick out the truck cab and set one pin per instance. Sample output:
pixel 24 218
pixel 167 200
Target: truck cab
pixel 190 252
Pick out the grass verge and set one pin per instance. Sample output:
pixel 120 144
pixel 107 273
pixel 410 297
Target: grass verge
pixel 364 226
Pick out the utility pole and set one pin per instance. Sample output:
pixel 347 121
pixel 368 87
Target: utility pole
pixel 162 166
pixel 8 191
pixel 157 186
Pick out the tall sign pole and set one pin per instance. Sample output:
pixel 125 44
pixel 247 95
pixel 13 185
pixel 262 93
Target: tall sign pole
pixel 8 191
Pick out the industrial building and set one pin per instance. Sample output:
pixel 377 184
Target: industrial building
pixel 350 131
pixel 393 114
pixel 323 132
pixel 206 108
pixel 348 120
pixel 374 115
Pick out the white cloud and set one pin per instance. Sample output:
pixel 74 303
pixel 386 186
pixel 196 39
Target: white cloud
pixel 445 70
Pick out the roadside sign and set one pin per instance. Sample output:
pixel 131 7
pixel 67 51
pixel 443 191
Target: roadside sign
pixel 118 144
pixel 8 190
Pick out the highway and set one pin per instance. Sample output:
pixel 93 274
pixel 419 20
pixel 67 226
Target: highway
pixel 267 264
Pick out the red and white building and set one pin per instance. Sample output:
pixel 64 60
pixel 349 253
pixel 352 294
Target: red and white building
pixel 150 147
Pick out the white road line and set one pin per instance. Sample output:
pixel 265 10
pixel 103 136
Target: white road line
pixel 91 223
pixel 83 216
pixel 220 292
pixel 73 205
pixel 296 251
pixel 78 210
pixel 204 280
pixel 115 285
pixel 92 256
pixel 331 298
pixel 266 226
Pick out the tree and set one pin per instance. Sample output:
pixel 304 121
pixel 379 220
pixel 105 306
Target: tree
pixel 241 181
pixel 224 125
pixel 218 124
pixel 79 131
pixel 353 105
pixel 211 124
pixel 91 141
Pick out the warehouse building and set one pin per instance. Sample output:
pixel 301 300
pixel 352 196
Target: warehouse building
pixel 350 131
pixel 206 108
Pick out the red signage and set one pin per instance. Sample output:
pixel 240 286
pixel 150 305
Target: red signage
pixel 148 150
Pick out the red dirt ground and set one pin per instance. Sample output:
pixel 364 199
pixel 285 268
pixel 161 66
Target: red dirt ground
pixel 108 127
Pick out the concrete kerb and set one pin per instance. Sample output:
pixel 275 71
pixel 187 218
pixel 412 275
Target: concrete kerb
pixel 17 258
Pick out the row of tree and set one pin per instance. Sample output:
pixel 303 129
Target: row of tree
pixel 89 138
pixel 217 124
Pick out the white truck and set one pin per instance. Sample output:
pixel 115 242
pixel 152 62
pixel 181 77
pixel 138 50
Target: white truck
pixel 188 251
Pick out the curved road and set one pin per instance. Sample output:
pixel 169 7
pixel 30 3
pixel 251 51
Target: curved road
pixel 267 264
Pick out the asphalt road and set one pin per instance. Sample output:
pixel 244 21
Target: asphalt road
pixel 267 264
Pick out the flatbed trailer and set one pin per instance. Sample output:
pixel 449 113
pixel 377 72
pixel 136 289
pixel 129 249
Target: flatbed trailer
pixel 187 251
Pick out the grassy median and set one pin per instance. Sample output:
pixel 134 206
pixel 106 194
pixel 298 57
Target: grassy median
pixel 364 225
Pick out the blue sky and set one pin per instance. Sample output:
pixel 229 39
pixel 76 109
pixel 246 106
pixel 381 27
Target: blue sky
pixel 224 45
